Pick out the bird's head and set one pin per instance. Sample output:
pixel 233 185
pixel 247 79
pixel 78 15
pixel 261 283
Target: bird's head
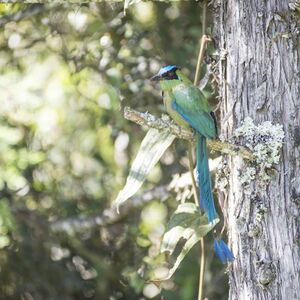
pixel 167 73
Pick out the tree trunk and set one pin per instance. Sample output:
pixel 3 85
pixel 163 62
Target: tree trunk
pixel 259 78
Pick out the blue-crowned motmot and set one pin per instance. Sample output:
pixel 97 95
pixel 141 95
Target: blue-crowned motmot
pixel 188 107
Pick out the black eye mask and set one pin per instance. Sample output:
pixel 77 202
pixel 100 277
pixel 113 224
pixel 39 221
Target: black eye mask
pixel 171 75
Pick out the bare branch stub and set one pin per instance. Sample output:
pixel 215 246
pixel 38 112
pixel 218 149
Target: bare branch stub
pixel 146 119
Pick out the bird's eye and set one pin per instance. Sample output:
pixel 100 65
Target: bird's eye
pixel 171 74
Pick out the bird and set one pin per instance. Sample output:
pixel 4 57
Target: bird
pixel 188 107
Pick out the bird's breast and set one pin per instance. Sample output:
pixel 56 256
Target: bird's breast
pixel 168 101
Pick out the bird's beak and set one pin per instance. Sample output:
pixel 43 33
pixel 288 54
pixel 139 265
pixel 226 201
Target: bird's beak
pixel 155 78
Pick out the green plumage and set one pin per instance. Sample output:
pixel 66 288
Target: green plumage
pixel 192 104
pixel 188 107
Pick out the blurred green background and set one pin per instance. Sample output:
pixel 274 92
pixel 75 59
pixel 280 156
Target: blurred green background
pixel 66 72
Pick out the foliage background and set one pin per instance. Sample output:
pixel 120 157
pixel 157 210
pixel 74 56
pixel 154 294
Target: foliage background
pixel 66 73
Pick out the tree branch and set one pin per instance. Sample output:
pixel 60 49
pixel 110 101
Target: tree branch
pixel 146 119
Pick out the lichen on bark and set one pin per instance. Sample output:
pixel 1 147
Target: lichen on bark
pixel 265 141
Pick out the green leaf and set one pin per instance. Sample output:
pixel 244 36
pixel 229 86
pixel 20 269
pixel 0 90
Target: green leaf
pixel 186 223
pixel 186 248
pixel 152 148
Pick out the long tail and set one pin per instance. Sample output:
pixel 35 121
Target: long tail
pixel 223 251
pixel 206 197
pixel 204 181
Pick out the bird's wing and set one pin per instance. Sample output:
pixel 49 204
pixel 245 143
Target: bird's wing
pixel 194 109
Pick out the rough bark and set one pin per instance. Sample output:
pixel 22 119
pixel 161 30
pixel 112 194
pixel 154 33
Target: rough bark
pixel 259 78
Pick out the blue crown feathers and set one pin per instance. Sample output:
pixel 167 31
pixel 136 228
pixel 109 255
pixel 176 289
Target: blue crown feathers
pixel 167 69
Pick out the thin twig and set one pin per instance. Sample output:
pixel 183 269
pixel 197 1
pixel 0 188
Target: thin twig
pixel 197 202
pixel 204 17
pixel 202 268
pixel 203 44
pixel 163 124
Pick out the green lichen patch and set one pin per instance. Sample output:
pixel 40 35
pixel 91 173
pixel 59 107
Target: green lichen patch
pixel 222 175
pixel 265 140
pixel 247 175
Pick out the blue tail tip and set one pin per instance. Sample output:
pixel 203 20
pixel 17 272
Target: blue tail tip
pixel 222 251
